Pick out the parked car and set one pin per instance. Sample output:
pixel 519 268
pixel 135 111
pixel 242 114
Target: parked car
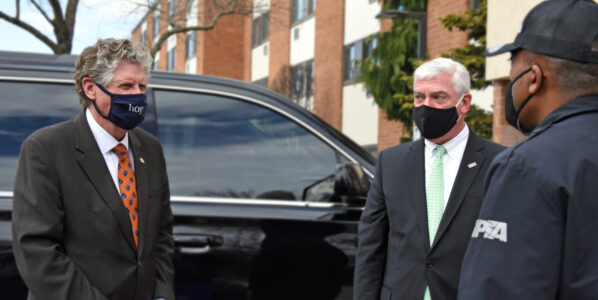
pixel 266 195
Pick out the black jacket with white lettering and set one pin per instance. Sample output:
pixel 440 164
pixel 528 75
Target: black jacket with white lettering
pixel 535 237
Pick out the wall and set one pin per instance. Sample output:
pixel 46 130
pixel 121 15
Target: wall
pixel 440 39
pixel 360 112
pixel 504 21
pixel 328 61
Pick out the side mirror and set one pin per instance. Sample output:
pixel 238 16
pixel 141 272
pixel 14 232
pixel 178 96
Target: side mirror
pixel 351 184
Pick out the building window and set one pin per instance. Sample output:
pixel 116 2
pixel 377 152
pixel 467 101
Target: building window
pixel 191 41
pixel 262 82
pixel 302 80
pixel 172 6
pixel 260 29
pixel 354 54
pixel 156 26
pixel 143 37
pixel 171 59
pixel 156 63
pixel 302 9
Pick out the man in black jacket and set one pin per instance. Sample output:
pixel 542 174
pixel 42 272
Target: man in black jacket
pixel 425 196
pixel 535 235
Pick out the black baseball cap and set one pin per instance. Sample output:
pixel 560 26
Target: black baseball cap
pixel 566 29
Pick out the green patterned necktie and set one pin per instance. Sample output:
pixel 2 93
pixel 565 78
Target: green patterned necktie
pixel 435 192
pixel 435 198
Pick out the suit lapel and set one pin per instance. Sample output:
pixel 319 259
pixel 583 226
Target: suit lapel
pixel 141 175
pixel 468 170
pixel 93 164
pixel 414 166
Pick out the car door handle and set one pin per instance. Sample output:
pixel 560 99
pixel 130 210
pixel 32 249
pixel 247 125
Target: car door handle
pixel 196 244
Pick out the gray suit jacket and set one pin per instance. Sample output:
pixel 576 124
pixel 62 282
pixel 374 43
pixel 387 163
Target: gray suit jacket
pixel 72 235
pixel 395 258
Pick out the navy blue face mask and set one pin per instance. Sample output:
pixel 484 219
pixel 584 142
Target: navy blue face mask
pixel 126 110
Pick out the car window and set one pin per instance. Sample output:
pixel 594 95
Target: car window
pixel 222 147
pixel 27 107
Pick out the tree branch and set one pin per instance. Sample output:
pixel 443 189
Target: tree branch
pixel 18 8
pixel 41 10
pixel 30 29
pixel 58 17
pixel 179 29
pixel 70 14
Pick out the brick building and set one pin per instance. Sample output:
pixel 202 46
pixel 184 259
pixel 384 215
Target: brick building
pixel 304 50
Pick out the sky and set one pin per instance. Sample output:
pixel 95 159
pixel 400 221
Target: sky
pixel 95 19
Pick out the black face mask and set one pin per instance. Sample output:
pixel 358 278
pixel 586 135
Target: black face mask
pixel 511 112
pixel 432 122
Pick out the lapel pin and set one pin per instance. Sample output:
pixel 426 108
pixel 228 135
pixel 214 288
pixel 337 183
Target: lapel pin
pixel 473 164
pixel 141 160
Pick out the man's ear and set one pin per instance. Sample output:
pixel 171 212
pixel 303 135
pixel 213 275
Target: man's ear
pixel 465 104
pixel 536 79
pixel 89 88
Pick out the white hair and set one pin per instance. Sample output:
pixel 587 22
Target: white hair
pixel 441 65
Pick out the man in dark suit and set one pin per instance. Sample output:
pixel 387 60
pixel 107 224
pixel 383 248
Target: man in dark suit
pixel 425 197
pixel 91 209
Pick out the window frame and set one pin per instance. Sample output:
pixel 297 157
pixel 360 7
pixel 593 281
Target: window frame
pixel 190 40
pixel 260 29
pixel 364 47
pixel 171 60
pixel 172 8
pixel 143 37
pixel 305 69
pixel 308 9
pixel 156 26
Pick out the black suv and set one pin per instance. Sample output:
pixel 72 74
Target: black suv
pixel 266 196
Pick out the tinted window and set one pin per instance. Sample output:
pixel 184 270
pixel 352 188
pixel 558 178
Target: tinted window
pixel 221 147
pixel 26 107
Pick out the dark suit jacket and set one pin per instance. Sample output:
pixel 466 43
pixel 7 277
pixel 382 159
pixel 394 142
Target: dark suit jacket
pixel 72 235
pixel 395 259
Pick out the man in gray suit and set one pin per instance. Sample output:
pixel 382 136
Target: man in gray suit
pixel 91 209
pixel 425 197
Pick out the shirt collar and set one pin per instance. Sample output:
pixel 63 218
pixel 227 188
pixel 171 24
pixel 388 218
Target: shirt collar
pixel 104 139
pixel 451 145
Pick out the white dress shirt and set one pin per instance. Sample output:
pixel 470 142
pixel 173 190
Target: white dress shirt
pixel 451 160
pixel 106 142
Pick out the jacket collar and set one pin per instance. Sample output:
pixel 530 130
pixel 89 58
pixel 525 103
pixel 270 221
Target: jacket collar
pixel 582 105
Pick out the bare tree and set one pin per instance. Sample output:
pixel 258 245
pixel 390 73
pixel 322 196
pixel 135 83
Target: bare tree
pixel 282 81
pixel 295 83
pixel 62 22
pixel 207 15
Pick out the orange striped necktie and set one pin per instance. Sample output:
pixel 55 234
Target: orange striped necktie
pixel 128 187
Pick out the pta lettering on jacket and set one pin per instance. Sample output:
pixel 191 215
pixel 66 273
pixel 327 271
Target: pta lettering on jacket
pixel 490 230
pixel 136 109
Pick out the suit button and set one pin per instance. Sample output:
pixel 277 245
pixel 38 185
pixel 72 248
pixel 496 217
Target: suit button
pixel 428 264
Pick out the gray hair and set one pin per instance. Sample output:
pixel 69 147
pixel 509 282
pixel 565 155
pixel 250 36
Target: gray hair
pixel 441 65
pixel 99 61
